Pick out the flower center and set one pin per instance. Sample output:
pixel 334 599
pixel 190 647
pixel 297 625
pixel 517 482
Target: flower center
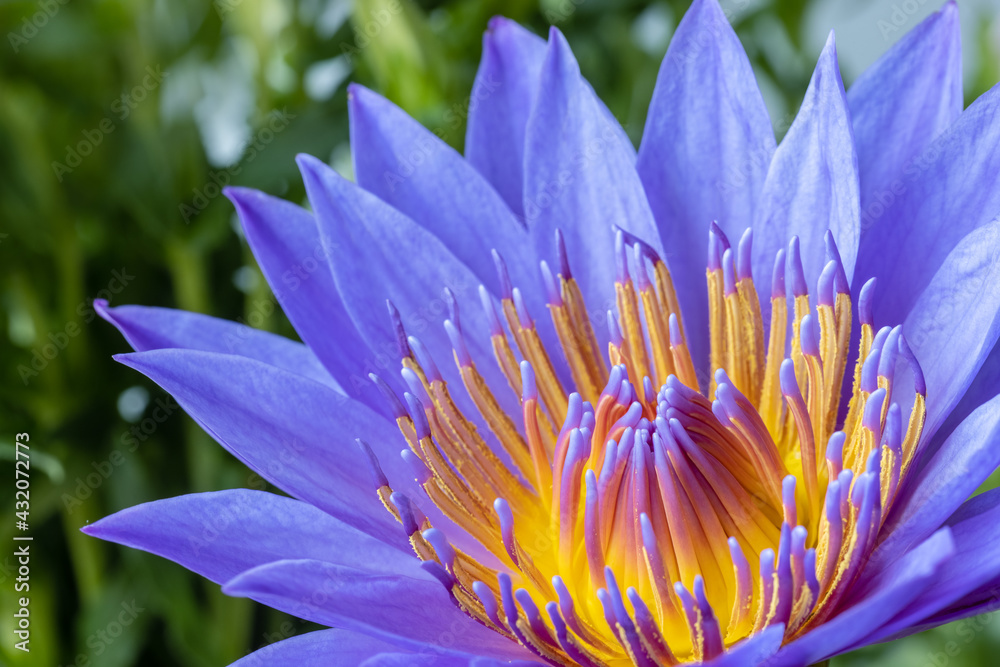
pixel 717 506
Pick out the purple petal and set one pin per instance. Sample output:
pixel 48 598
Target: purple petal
pixel 975 564
pixel 295 433
pixel 965 459
pixel 949 189
pixel 322 648
pixel 412 610
pixel 953 325
pixel 377 253
pixel 421 660
pixel 705 152
pixel 812 184
pixel 501 100
pixel 409 167
pixel 287 246
pixel 891 593
pixel 983 388
pixel 753 651
pixel 580 177
pixel 147 328
pixel 219 535
pixel 903 102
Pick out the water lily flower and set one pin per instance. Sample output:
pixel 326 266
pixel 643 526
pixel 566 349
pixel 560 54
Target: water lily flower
pixel 563 403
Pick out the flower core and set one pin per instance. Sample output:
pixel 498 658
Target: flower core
pixel 655 517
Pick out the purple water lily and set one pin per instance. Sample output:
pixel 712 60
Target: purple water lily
pixel 565 440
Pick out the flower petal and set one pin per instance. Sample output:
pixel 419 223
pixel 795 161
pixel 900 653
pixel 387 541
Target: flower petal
pixel 752 651
pixel 891 593
pixel 965 459
pixel 502 96
pixel 949 189
pixel 976 562
pixel 421 660
pixel 412 610
pixel 812 183
pixel 580 177
pixel 293 432
pixel 377 253
pixel 954 324
pixel 221 534
pixel 409 167
pixel 322 648
pixel 705 151
pixel 904 101
pixel 147 328
pixel 287 246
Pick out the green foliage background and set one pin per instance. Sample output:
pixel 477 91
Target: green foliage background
pixel 137 218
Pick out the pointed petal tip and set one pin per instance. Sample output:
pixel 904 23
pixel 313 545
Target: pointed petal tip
pixel 103 310
pixel 498 22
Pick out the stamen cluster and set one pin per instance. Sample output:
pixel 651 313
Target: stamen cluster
pixel 718 506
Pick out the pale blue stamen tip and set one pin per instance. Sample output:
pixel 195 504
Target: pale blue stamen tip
pixel 563 257
pixel 789 385
pixel 825 287
pixel 865 312
pixel 728 277
pixel 378 477
pixel 491 312
pixel 794 273
pixel 529 391
pixel 420 471
pixel 621 259
pixel 395 407
pixel 872 419
pixel 744 261
pixel 425 359
pixel 675 331
pixel 502 275
pixel 400 332
pixel 778 276
pixel 458 343
pixel 522 311
pixel 809 336
pixel 835 448
pixel 552 294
